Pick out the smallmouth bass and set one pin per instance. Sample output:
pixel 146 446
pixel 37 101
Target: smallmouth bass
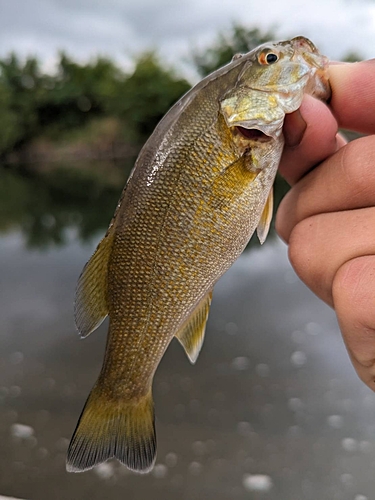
pixel 201 186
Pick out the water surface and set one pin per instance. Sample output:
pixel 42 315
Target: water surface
pixel 271 410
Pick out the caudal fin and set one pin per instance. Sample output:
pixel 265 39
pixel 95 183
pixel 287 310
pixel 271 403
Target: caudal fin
pixel 110 428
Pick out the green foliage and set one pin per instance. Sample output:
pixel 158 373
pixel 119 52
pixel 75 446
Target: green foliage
pixel 20 87
pixel 76 94
pixel 238 40
pixel 353 56
pixel 34 104
pixel 147 94
pixel 45 207
pixel 9 126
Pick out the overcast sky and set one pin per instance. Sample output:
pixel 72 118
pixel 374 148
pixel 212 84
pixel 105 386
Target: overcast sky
pixel 122 28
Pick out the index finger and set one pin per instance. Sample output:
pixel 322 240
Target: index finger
pixel 353 95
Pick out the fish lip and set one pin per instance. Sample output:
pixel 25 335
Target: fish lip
pixel 299 42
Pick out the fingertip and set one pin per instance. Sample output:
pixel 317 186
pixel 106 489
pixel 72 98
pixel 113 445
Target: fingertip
pixel 353 95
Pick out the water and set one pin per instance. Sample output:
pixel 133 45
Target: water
pixel 272 409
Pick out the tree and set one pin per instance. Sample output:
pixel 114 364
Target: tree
pixel 227 44
pixel 146 95
pixel 77 93
pixel 20 86
pixel 352 56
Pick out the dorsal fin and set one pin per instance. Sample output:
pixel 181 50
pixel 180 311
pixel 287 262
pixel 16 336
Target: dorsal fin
pixel 191 334
pixel 265 219
pixel 90 307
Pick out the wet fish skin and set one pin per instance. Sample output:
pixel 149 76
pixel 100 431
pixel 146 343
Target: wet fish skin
pixel 200 187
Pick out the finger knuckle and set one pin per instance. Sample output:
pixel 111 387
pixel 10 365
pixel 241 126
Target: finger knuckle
pixel 301 254
pixel 353 292
pixel 357 166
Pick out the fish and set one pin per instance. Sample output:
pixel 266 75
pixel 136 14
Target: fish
pixel 201 186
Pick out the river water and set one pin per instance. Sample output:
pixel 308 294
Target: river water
pixel 271 410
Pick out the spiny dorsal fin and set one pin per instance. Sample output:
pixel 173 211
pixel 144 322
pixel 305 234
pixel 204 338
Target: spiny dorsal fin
pixel 191 335
pixel 90 307
pixel 265 220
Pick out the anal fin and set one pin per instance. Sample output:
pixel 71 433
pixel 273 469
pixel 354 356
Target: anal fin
pixel 191 334
pixel 90 307
pixel 265 219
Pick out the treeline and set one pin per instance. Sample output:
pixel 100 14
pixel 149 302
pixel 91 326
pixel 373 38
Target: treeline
pixel 34 104
pixel 98 100
pixel 82 106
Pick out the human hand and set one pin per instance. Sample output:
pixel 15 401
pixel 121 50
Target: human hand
pixel 328 217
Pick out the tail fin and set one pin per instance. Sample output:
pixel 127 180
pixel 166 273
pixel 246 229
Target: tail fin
pixel 114 428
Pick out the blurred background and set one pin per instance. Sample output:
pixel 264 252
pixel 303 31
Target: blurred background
pixel 273 408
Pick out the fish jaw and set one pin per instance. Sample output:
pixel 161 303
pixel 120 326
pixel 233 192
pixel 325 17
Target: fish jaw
pixel 318 84
pixel 263 95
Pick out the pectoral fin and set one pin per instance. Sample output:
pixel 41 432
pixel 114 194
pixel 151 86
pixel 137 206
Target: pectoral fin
pixel 90 308
pixel 265 220
pixel 191 335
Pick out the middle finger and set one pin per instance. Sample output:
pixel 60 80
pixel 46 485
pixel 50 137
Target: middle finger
pixel 340 183
pixel 321 244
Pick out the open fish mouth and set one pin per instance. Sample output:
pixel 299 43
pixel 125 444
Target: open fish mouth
pixel 253 134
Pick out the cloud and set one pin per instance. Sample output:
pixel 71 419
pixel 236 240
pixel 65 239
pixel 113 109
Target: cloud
pixel 122 28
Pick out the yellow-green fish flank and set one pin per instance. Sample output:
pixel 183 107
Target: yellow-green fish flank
pixel 201 186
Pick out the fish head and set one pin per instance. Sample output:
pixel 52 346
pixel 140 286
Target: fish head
pixel 272 83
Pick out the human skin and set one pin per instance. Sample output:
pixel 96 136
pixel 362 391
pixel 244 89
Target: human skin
pixel 328 217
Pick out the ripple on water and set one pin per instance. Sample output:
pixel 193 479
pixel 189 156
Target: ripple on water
pixel 171 459
pixel 105 470
pixel 349 444
pixel 298 358
pixel 295 404
pixel 195 468
pixel 160 471
pixel 257 482
pixel 240 363
pixel 262 370
pixel 22 431
pixel 335 421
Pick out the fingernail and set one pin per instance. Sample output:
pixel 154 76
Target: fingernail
pixel 294 129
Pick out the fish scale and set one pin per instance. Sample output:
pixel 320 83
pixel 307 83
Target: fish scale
pixel 199 189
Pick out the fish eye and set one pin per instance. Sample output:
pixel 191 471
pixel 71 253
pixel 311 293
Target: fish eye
pixel 268 58
pixel 271 58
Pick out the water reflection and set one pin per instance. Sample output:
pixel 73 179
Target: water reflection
pixel 44 202
pixel 247 416
pixel 48 202
pixel 271 410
